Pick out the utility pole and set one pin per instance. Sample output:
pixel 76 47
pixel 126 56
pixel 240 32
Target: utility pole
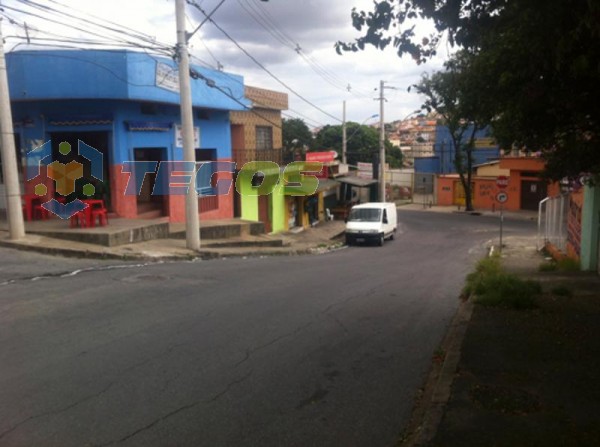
pixel 10 167
pixel 344 141
pixel 382 99
pixel 192 220
pixel 381 144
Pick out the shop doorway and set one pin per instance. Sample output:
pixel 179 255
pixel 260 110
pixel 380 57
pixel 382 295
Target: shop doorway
pixel 149 204
pixel 100 142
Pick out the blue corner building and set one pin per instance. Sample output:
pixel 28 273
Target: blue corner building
pixel 126 105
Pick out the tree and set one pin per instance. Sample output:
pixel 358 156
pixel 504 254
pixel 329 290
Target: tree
pixel 536 59
pixel 362 143
pixel 462 101
pixel 295 134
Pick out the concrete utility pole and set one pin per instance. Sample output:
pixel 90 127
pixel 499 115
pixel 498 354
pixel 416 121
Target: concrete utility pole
pixel 382 99
pixel 381 144
pixel 10 167
pixel 192 219
pixel 344 141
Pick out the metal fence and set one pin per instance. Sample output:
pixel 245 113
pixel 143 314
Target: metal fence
pixel 552 222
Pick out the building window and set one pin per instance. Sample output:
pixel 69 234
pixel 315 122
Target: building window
pixel 204 180
pixel 202 114
pixel 264 137
pixel 148 108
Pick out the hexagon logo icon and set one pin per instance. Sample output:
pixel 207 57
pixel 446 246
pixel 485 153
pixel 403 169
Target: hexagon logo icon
pixel 64 175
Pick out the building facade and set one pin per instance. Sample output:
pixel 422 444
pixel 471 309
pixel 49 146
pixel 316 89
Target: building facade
pixel 442 159
pixel 256 136
pixel 126 105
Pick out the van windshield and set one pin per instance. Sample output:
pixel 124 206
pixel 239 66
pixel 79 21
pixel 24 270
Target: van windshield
pixel 365 215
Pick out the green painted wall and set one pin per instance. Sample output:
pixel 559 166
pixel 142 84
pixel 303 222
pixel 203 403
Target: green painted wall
pixel 590 225
pixel 248 201
pixel 278 210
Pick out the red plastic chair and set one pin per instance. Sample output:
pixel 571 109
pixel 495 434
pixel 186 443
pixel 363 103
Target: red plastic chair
pixel 99 215
pixel 78 219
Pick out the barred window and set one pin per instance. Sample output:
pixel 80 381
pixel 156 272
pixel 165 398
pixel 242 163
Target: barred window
pixel 264 137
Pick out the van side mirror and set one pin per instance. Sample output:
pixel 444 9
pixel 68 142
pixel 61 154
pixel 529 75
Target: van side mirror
pixel 385 220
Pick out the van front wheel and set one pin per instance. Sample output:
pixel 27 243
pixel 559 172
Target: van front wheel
pixel 381 240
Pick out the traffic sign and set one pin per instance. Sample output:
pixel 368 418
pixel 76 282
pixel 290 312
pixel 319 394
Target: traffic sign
pixel 502 181
pixel 501 197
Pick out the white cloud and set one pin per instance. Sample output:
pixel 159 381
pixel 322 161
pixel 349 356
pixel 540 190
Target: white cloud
pixel 314 25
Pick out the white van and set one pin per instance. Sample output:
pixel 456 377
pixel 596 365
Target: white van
pixel 375 221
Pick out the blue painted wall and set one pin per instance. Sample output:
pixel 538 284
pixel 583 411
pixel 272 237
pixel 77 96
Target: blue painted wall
pixel 34 125
pixel 48 87
pixel 445 149
pixel 111 74
pixel 430 165
pixel 443 160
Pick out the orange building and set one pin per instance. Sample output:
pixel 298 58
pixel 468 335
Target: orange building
pixel 525 187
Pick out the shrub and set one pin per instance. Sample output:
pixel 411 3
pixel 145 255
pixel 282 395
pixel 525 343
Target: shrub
pixel 492 286
pixel 549 266
pixel 568 265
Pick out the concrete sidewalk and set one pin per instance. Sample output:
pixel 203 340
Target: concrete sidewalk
pixel 521 215
pixel 507 377
pixel 322 237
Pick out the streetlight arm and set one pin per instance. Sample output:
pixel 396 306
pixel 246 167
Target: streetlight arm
pixel 360 125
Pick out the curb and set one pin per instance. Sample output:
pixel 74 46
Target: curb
pixel 202 254
pixel 68 252
pixel 429 409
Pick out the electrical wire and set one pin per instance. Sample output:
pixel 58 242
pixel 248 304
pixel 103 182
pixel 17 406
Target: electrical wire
pixel 259 15
pixel 194 4
pixel 234 79
pixel 146 43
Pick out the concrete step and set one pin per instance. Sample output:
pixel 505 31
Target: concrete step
pixel 243 242
pixel 151 214
pixel 227 230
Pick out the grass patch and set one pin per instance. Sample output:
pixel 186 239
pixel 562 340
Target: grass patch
pixel 564 265
pixel 548 266
pixel 568 265
pixel 492 286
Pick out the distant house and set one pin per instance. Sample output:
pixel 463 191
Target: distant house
pixel 438 157
pixel 525 187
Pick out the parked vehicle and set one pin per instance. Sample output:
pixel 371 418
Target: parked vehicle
pixel 368 222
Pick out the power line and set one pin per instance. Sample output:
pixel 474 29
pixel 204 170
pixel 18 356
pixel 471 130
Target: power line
pixel 263 18
pixel 194 4
pixel 206 64
pixel 147 43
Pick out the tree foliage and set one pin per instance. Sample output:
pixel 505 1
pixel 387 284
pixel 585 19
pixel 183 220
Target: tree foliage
pixel 296 134
pixel 362 143
pixel 536 60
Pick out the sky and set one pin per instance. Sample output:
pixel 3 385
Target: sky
pixel 294 40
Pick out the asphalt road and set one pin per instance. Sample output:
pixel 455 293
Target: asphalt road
pixel 324 350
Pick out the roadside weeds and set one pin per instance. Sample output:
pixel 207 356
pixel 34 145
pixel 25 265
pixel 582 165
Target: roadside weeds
pixel 527 362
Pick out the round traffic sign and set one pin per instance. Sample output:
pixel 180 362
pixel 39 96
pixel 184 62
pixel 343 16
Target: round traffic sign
pixel 501 197
pixel 502 181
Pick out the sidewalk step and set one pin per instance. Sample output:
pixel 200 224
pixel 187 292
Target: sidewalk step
pixel 243 242
pixel 223 230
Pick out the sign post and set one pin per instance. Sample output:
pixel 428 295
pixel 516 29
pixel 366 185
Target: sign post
pixel 501 198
